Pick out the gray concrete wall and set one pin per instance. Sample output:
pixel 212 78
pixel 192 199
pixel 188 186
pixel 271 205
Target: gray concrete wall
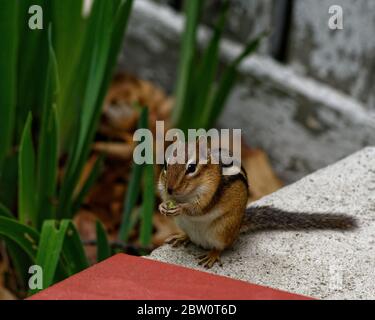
pixel 344 59
pixel 302 124
pixel 247 19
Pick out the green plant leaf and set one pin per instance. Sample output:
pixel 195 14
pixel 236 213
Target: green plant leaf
pixel 50 247
pixel 100 28
pixel 8 81
pixel 188 50
pixel 119 28
pixel 47 163
pixel 147 206
pixel 69 37
pixel 47 169
pixel 103 27
pixel 133 187
pixel 25 237
pixel 213 110
pixel 250 48
pixel 103 247
pixel 60 251
pixel 5 212
pixel 9 180
pixel 74 257
pixel 21 242
pixel 86 49
pixel 27 186
pixel 32 66
pixel 199 99
pixel 21 261
pixel 206 75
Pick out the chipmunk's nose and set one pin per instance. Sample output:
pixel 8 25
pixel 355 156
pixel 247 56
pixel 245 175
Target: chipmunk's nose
pixel 170 190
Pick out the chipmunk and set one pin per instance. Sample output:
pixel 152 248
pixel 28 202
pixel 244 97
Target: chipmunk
pixel 210 208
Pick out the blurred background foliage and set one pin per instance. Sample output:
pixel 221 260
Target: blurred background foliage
pixel 53 86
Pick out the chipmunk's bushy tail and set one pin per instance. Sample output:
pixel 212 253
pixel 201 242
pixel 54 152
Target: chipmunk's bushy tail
pixel 269 218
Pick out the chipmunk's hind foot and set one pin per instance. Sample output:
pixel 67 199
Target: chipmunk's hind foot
pixel 207 260
pixel 178 240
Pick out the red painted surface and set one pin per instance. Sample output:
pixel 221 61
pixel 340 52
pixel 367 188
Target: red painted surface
pixel 125 277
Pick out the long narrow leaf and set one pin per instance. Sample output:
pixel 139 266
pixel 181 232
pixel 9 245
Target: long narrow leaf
pixel 32 67
pixel 134 186
pixel 193 9
pixel 148 205
pixel 103 248
pixel 74 257
pixel 25 237
pixel 9 180
pixel 47 170
pixel 101 28
pixel 69 34
pixel 27 186
pixel 50 247
pixel 4 212
pixel 48 145
pixel 207 73
pixel 21 261
pixel 214 109
pixel 8 79
pixel 101 69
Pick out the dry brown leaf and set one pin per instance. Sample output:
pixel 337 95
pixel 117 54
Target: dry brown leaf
pixel 127 90
pixel 5 294
pixel 117 150
pixel 165 109
pixel 121 116
pixel 262 178
pixel 86 173
pixel 85 222
pixel 111 133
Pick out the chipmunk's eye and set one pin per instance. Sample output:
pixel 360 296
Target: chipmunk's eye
pixel 191 168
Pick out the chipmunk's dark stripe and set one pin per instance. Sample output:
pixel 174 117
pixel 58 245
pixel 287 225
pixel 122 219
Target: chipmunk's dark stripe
pixel 226 182
pixel 242 176
pixel 224 165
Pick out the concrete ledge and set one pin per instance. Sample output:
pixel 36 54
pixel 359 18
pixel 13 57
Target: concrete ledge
pixel 320 264
pixel 301 123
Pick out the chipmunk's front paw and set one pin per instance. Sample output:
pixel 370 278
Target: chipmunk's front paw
pixel 171 211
